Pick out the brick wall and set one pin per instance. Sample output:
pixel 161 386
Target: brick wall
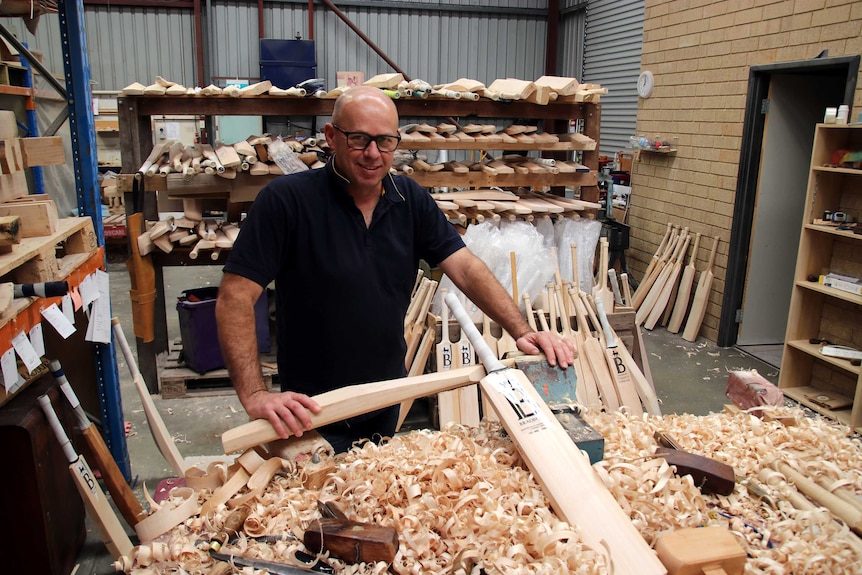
pixel 700 53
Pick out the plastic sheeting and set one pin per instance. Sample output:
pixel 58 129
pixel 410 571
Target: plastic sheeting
pixel 534 247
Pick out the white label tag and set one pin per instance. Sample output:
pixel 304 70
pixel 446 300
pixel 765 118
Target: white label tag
pixel 58 320
pixel 37 340
pixel 25 351
pixel 9 367
pixel 69 309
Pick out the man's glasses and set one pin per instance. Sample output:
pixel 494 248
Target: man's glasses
pixel 361 140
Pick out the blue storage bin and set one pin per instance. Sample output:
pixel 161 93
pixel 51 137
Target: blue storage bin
pixel 201 349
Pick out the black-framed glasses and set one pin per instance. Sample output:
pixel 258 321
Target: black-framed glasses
pixel 361 140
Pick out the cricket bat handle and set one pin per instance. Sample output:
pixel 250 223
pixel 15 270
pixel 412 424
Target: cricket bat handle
pixel 610 340
pixel 482 349
pixel 848 513
pixel 57 428
pixel 46 289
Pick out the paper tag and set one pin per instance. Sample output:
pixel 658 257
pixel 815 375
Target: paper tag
pixel 59 320
pixel 89 290
pixel 10 370
pixel 99 328
pixel 76 298
pixel 25 351
pixel 36 339
pixel 69 308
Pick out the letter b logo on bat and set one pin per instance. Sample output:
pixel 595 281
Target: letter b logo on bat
pixel 85 474
pixel 447 357
pixel 619 364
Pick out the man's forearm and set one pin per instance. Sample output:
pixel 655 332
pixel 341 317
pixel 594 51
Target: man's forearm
pixel 238 339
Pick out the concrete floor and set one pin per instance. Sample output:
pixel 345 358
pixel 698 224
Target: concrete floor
pixel 689 378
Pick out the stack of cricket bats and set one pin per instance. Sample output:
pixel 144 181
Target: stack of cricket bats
pixel 254 155
pixel 667 294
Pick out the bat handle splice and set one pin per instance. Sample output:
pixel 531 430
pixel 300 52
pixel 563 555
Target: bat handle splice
pixel 482 349
pixel 66 388
pixel 57 427
pixel 606 326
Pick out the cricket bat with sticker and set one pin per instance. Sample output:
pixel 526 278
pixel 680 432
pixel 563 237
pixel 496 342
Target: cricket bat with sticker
pixel 557 463
pixel 98 508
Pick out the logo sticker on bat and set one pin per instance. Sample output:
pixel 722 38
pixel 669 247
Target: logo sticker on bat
pixel 530 416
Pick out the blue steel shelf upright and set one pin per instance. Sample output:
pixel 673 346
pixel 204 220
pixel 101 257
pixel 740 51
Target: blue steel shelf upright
pixel 79 98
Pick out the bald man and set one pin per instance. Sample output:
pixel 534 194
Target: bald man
pixel 343 244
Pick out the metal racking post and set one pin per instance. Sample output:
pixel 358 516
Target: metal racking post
pixel 79 99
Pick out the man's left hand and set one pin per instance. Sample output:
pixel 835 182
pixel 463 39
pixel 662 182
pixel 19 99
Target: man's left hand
pixel 557 349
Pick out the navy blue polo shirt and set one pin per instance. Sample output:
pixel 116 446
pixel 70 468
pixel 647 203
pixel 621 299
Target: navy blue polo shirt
pixel 342 288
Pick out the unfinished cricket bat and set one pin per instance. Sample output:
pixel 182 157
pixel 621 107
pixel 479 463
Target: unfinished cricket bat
pixel 600 290
pixel 506 343
pixel 655 257
pixel 683 296
pixel 353 400
pixel 591 349
pixel 701 298
pixel 655 291
pixel 649 279
pixel 447 402
pixel 487 335
pixel 557 463
pixel 113 535
pixel 164 440
pixel 620 370
pixel 667 287
pixel 468 396
pixel 125 500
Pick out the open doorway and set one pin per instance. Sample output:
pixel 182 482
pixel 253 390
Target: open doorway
pixel 784 103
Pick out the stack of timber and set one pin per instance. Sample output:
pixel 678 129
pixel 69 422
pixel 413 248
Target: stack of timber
pixel 480 204
pixel 258 155
pixel 542 91
pixel 669 295
pixel 35 244
pixel 19 154
pixel 472 136
pixel 192 231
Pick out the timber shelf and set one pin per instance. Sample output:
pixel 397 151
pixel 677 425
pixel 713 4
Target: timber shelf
pixel 448 144
pixel 818 312
pixel 134 114
pixel 25 313
pixel 484 180
pixel 830 291
pixel 36 259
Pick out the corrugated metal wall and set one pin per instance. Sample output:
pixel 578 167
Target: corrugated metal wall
pixel 436 40
pixel 570 51
pixel 432 44
pixel 614 32
pixel 125 44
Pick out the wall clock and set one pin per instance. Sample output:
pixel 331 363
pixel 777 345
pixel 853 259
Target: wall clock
pixel 645 84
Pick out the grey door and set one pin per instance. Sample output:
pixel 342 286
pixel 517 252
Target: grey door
pixel 796 104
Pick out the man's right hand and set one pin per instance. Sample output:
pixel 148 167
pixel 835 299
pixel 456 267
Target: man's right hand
pixel 288 412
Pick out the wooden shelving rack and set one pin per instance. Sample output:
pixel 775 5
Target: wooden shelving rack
pixel 828 385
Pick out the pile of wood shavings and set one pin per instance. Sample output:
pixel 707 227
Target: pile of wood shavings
pixel 780 540
pixel 463 502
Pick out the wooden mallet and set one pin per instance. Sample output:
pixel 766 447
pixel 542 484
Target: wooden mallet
pixel 701 550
